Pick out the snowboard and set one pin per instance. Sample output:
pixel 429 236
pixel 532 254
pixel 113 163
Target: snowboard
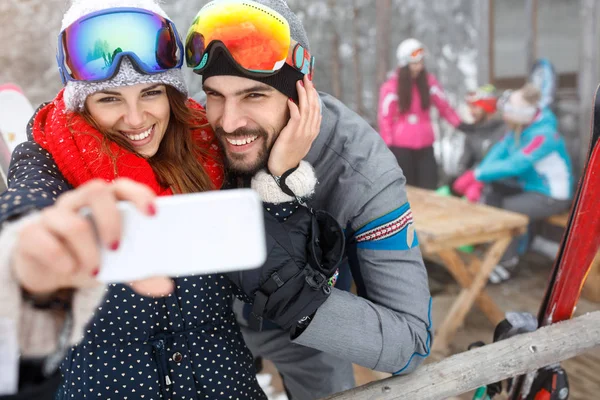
pixel 5 153
pixel 15 113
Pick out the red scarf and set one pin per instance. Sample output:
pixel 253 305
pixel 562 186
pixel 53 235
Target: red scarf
pixel 77 149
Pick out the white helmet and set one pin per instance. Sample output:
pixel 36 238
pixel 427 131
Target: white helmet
pixel 409 51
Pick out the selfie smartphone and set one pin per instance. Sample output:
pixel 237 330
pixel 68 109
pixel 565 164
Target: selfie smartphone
pixel 191 234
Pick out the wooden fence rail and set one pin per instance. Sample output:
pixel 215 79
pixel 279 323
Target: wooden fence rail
pixel 495 362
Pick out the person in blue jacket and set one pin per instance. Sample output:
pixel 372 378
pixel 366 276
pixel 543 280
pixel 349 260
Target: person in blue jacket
pixel 528 171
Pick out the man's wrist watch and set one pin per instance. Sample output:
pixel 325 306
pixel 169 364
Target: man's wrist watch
pixel 280 180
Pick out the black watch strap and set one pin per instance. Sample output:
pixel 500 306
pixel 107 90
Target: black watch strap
pixel 59 301
pixel 281 182
pixel 283 185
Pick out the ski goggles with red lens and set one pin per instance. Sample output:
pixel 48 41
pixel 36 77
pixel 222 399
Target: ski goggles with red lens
pixel 417 55
pixel 91 48
pixel 256 37
pixel 483 97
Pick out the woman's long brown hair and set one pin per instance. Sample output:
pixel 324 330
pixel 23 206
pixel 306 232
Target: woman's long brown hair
pixel 405 89
pixel 177 163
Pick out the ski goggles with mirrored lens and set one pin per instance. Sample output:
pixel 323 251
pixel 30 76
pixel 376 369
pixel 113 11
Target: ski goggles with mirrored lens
pixel 92 47
pixel 256 37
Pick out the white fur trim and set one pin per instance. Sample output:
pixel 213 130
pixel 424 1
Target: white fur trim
pixel 38 330
pixel 302 182
pixel 10 295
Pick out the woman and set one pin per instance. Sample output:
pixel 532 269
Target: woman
pixel 120 130
pixel 403 115
pixel 529 171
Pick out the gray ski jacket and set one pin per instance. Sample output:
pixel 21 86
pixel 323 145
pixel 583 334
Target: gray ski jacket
pixel 387 327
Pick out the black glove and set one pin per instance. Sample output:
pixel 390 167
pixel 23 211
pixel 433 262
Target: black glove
pixel 466 128
pixel 303 252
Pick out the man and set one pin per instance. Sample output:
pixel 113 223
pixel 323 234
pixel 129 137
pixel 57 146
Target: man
pixel 386 327
pixel 488 127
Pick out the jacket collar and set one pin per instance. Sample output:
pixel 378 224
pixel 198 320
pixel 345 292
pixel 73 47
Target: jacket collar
pixel 328 124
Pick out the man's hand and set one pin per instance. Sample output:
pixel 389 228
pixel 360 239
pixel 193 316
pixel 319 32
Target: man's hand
pixel 297 136
pixel 61 250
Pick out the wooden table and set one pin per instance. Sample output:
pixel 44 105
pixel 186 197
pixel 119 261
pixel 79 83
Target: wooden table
pixel 445 223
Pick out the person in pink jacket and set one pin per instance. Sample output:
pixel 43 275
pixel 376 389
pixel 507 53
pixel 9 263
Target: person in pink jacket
pixel 403 115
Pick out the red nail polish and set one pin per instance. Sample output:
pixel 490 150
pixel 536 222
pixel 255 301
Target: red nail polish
pixel 115 245
pixel 302 83
pixel 152 210
pixel 96 272
pixel 290 99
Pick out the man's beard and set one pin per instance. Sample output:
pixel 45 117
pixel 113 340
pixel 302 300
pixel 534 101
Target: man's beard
pixel 235 164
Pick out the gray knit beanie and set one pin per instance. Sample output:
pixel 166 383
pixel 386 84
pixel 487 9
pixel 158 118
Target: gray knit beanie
pixel 77 91
pixel 296 29
pixel 285 79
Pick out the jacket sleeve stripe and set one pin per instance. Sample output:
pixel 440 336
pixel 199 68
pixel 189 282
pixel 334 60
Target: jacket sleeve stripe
pixel 535 144
pixel 427 345
pixel 393 231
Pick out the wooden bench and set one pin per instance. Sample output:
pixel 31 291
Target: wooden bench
pixel 591 289
pixel 445 223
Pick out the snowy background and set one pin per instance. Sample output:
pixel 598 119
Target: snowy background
pixel 342 33
pixel 30 27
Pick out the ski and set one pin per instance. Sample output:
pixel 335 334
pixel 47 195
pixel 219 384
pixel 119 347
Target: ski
pixel 5 154
pixel 580 243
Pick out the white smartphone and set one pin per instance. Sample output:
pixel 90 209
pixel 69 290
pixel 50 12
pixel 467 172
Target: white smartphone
pixel 191 234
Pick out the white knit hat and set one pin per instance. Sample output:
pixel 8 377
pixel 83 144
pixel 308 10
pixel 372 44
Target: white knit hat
pixel 77 91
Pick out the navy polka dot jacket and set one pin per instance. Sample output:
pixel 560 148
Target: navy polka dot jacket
pixel 185 346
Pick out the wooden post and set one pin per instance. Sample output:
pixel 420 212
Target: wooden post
pixel 357 59
pixel 484 23
pixel 383 16
pixel 336 63
pixel 531 33
pixel 492 363
pixel 588 73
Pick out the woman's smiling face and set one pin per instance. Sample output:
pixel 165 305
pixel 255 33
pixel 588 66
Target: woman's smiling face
pixel 140 113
